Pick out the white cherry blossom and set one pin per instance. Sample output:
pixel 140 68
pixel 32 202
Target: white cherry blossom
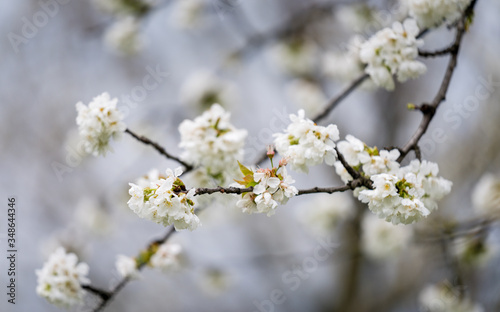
pixel 98 123
pixel 61 278
pixel 306 144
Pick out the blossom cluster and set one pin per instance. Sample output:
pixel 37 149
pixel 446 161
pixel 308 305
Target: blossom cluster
pixel 166 258
pixel 326 212
pixel 202 89
pixel 211 141
pixel 165 201
pixel 407 196
pixel 472 250
pixel 187 14
pixel 127 267
pixel 304 143
pixel 486 195
pixel 307 95
pixel 297 57
pixel 399 194
pixel 270 188
pixel 443 298
pixel 98 123
pixel 368 159
pixel 382 240
pixel 392 51
pixel 61 278
pixel 123 36
pixel 432 13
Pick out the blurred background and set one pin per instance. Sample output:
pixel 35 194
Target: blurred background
pixel 262 60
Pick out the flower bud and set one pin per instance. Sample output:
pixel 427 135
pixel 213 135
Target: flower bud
pixel 270 151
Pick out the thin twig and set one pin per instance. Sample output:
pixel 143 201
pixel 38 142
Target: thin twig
pixel 354 174
pixel 442 52
pixel 328 190
pixel 431 108
pixel 237 190
pixel 224 190
pixel 160 149
pixel 341 96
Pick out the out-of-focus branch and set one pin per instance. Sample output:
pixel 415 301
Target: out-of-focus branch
pixel 296 23
pixel 351 277
pixel 453 264
pixel 465 228
pixel 108 296
pixel 104 295
pixel 160 149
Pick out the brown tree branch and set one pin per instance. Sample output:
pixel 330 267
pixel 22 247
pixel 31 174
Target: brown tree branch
pixel 441 52
pixel 429 110
pixel 329 190
pixel 160 149
pixel 104 295
pixel 333 102
pixel 223 190
pixel 237 190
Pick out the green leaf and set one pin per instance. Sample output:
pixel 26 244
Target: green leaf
pixel 245 170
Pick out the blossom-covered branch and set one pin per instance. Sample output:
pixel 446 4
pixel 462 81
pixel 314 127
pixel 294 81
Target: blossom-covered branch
pixel 394 193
